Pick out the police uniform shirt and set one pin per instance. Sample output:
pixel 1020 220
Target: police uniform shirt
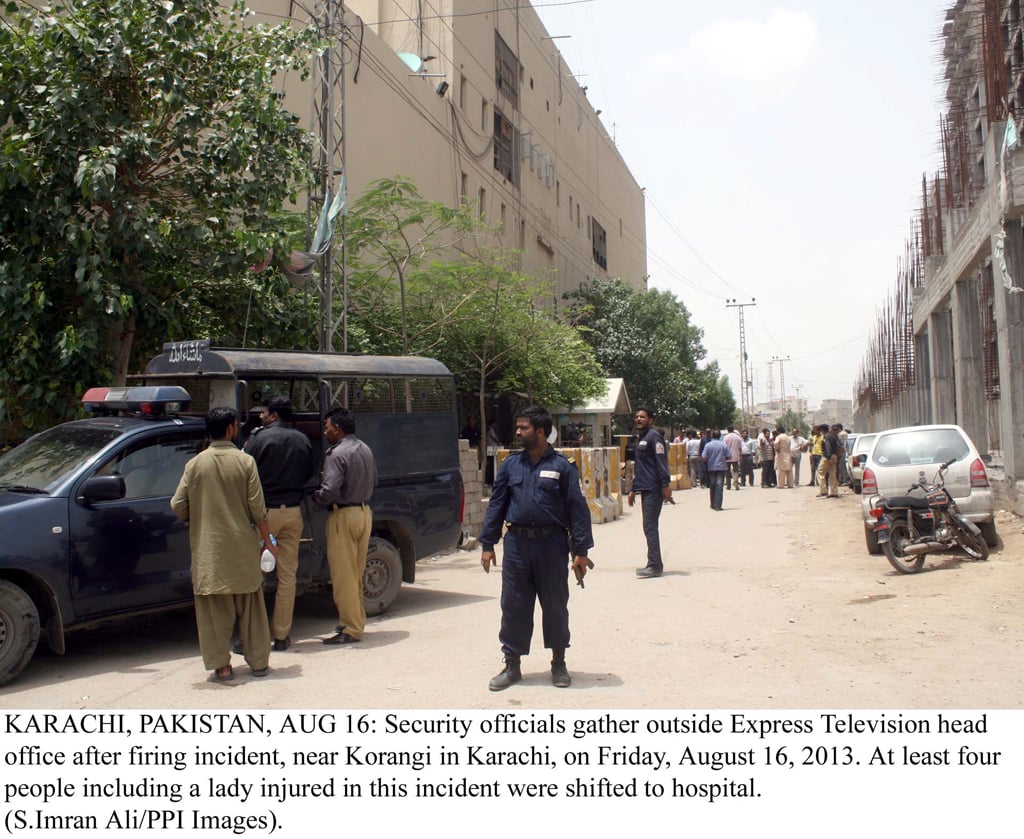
pixel 650 463
pixel 538 495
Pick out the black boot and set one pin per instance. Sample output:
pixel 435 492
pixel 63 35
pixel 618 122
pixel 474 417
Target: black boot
pixel 509 676
pixel 560 677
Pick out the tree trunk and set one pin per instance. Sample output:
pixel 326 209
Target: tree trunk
pixel 122 336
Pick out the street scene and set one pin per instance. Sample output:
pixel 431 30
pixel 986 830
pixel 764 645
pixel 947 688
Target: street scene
pixel 772 603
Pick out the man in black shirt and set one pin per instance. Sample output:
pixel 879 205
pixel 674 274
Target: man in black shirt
pixel 284 458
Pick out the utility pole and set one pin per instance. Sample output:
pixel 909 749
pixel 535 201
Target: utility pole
pixel 329 166
pixel 746 378
pixel 782 379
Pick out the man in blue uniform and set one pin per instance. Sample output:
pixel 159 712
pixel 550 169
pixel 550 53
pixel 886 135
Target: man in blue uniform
pixel 651 479
pixel 537 491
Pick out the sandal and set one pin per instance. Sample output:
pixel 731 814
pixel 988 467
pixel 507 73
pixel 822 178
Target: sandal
pixel 223 674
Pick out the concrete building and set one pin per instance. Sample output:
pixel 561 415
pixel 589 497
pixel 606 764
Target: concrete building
pixel 951 346
pixel 472 101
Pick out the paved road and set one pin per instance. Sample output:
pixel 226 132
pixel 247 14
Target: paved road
pixel 772 603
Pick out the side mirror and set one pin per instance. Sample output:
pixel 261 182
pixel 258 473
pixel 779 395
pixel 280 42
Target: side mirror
pixel 102 488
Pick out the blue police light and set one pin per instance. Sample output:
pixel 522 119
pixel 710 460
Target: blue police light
pixel 152 401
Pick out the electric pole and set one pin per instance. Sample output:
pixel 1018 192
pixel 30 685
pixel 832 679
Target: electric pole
pixel 782 379
pixel 329 166
pixel 746 378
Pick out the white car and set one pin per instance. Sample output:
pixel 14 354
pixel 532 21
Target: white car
pixel 899 456
pixel 858 457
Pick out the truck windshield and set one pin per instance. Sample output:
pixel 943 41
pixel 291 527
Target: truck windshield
pixel 43 461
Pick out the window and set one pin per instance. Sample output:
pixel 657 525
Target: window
pixel 464 187
pixel 463 85
pixel 504 148
pixel 506 71
pixel 154 467
pixel 481 200
pixel 599 243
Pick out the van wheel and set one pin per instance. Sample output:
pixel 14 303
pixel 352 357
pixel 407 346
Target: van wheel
pixel 19 630
pixel 988 533
pixel 872 541
pixel 383 576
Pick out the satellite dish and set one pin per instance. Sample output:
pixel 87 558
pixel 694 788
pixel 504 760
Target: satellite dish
pixel 412 61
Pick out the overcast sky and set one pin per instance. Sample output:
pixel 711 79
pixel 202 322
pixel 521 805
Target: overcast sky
pixel 781 148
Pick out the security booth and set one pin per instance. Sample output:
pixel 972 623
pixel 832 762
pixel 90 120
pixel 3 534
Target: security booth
pixel 404 409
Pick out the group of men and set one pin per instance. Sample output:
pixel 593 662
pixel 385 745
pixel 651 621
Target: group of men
pixel 238 502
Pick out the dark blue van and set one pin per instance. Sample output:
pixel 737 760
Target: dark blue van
pixel 86 529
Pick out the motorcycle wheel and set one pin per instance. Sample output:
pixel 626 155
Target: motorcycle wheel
pixel 899 535
pixel 973 545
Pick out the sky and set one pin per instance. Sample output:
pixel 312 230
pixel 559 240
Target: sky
pixel 781 148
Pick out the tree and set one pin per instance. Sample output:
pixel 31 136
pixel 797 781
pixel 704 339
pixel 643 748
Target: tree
pixel 646 338
pixel 145 150
pixel 423 282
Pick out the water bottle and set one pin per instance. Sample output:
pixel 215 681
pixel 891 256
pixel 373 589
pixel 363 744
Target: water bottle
pixel 267 561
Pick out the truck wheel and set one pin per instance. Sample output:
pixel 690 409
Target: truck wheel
pixel 383 576
pixel 19 630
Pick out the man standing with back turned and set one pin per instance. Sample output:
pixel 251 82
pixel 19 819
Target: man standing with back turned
pixel 537 491
pixel 350 474
pixel 284 457
pixel 651 479
pixel 219 495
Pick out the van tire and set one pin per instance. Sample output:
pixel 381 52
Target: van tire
pixel 988 533
pixel 19 630
pixel 382 578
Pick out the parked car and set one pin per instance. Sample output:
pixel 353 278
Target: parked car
pixel 86 529
pixel 900 455
pixel 857 457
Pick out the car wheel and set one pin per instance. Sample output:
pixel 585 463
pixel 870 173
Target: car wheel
pixel 19 630
pixel 856 487
pixel 872 541
pixel 383 576
pixel 988 533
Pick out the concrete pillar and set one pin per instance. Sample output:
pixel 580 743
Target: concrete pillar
pixel 940 350
pixel 922 401
pixel 968 361
pixel 1009 312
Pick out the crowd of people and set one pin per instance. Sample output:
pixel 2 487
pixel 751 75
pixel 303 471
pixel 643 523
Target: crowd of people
pixel 735 457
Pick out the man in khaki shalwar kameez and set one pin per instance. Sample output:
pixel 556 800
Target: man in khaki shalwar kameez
pixel 220 497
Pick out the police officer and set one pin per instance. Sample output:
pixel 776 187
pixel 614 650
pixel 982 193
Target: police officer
pixel 651 479
pixel 537 491
pixel 284 457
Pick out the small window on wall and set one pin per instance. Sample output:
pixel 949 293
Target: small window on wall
pixel 504 148
pixel 599 242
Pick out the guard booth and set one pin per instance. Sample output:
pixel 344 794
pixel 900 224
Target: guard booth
pixel 405 411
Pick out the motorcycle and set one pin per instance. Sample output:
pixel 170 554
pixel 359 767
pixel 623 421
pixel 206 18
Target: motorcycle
pixel 910 526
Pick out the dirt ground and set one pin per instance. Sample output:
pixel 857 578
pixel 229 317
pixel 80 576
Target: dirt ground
pixel 772 603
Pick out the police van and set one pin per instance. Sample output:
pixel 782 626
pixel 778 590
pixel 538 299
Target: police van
pixel 86 529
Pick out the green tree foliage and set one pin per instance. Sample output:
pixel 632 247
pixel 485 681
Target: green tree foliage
pixel 791 419
pixel 646 338
pixel 145 150
pixel 423 282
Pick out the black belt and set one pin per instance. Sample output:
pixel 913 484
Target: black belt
pixel 348 504
pixel 534 532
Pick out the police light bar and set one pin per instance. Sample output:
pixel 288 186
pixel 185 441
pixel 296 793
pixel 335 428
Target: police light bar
pixel 153 401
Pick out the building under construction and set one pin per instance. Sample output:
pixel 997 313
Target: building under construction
pixel 948 343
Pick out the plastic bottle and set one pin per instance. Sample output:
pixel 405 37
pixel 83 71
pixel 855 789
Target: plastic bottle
pixel 267 561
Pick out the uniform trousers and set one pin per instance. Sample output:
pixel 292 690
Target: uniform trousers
pixel 286 525
pixel 651 502
pixel 827 477
pixel 532 570
pixel 348 537
pixel 216 617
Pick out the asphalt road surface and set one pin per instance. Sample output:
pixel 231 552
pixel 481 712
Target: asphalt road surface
pixel 772 603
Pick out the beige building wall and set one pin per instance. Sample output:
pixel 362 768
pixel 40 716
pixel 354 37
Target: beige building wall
pixel 566 198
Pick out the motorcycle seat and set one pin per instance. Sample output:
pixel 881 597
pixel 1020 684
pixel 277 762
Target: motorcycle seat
pixel 914 502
